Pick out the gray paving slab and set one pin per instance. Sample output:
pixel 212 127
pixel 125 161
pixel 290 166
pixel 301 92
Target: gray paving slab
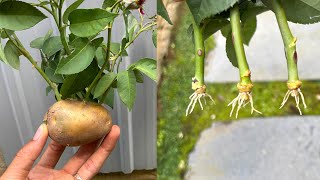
pixel 265 53
pixel 280 148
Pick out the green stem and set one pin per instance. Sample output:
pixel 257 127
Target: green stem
pixel 94 82
pixel 145 28
pixel 288 40
pixel 54 13
pixel 63 38
pixel 60 13
pixel 62 29
pixel 199 53
pixel 238 46
pixel 23 51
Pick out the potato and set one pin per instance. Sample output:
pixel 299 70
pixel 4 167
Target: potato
pixel 75 123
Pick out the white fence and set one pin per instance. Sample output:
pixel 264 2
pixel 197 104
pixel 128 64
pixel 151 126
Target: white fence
pixel 23 103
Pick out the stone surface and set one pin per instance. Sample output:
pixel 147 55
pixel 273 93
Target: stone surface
pixel 265 53
pixel 283 148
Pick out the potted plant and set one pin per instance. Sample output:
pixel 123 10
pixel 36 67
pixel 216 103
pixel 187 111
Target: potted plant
pixel 79 65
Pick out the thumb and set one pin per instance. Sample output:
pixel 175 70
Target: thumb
pixel 25 158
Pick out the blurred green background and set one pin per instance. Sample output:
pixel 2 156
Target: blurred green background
pixel 177 134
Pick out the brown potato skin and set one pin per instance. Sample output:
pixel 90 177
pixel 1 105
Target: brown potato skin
pixel 75 123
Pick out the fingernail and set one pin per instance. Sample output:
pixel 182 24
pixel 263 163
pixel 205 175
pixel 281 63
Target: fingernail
pixel 38 133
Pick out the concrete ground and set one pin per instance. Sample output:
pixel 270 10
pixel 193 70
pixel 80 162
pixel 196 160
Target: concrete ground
pixel 281 148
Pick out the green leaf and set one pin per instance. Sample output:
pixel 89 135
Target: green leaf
pixel 17 15
pixel 248 29
pixel 79 59
pixel 161 11
pixel 97 42
pixel 101 56
pixel 231 51
pixel 2 55
pixel 139 76
pixel 202 9
pixel 126 82
pixel 213 26
pixel 104 84
pixel 49 70
pixel 109 100
pixel 3 35
pixel 147 66
pixel 300 11
pixel 154 37
pixel 71 8
pixel 48 89
pixel 225 31
pixel 12 54
pixel 108 3
pixel 89 22
pixel 52 45
pixel 131 25
pixel 116 47
pixel 77 82
pixel 37 43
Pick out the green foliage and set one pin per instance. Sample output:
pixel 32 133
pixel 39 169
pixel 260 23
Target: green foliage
pixel 71 8
pixel 161 11
pixel 202 9
pixel 147 66
pixel 80 64
pixel 51 45
pixel 17 15
pixel 300 11
pixel 126 82
pixel 77 82
pixel 89 22
pixel 80 59
pixel 12 55
pixel 104 84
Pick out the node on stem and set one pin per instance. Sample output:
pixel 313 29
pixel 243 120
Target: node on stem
pixel 199 92
pixel 294 91
pixel 244 97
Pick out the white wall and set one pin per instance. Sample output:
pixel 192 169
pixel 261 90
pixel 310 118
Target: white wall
pixel 265 54
pixel 23 103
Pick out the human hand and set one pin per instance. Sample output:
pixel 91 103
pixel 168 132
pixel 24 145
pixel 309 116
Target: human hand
pixel 85 163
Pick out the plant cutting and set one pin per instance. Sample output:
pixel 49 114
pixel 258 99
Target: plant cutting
pixel 198 80
pixel 294 84
pixel 80 65
pixel 236 20
pixel 245 85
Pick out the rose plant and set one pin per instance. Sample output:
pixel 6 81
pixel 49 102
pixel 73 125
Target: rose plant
pixel 79 65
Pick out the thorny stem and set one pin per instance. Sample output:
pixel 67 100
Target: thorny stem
pixel 198 81
pixel 238 46
pixel 288 40
pixel 245 85
pixel 23 51
pixel 94 82
pixel 199 53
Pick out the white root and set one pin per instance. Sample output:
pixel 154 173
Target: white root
pixel 242 100
pixel 194 98
pixel 297 94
